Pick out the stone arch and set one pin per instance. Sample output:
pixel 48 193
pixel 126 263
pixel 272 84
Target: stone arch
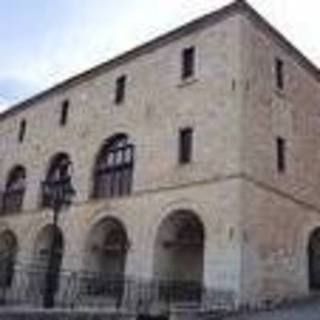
pixel 105 257
pixel 8 253
pixel 112 173
pixel 48 248
pixel 107 246
pixel 314 259
pixel 43 245
pixel 179 254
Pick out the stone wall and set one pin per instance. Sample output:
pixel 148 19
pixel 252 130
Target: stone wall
pixel 257 221
pixel 280 209
pixel 157 104
pixel 216 203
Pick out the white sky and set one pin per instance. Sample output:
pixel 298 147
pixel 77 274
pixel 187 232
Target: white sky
pixel 45 42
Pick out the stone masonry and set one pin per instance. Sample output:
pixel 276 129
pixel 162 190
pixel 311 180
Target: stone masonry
pixel 257 221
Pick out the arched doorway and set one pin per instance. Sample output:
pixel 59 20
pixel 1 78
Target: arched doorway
pixel 314 260
pixel 179 254
pixel 49 249
pixel 107 247
pixel 8 252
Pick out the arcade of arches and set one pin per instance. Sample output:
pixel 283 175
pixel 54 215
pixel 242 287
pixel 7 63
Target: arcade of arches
pixel 179 243
pixel 178 250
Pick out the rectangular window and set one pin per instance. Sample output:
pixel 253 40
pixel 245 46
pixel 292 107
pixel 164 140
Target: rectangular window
pixel 64 113
pixel 120 89
pixel 185 145
pixel 279 73
pixel 188 57
pixel 22 130
pixel 281 154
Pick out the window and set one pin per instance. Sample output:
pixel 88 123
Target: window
pixel 22 130
pixel 188 62
pixel 281 154
pixel 113 172
pixel 120 89
pixel 185 145
pixel 279 73
pixel 64 113
pixel 58 174
pixel 12 198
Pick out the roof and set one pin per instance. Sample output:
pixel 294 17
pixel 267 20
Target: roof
pixel 238 6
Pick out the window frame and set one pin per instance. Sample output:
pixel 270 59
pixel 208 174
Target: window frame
pixel 120 89
pixel 185 148
pixel 281 154
pixel 56 174
pixel 22 130
pixel 279 73
pixel 64 113
pixel 114 168
pixel 188 57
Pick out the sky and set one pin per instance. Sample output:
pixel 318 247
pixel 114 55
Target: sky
pixel 46 41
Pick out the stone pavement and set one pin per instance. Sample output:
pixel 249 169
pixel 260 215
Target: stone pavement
pixel 306 311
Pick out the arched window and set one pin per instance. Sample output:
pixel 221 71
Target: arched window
pixel 57 174
pixel 114 168
pixel 15 189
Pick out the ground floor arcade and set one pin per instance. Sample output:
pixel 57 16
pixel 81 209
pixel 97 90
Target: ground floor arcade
pixel 189 240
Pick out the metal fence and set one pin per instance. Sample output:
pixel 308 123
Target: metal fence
pixel 85 290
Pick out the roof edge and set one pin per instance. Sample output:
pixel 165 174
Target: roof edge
pixel 197 24
pixel 237 6
pixel 266 26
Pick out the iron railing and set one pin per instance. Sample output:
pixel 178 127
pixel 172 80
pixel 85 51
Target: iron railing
pixel 83 289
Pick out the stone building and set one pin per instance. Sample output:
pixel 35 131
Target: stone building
pixel 195 159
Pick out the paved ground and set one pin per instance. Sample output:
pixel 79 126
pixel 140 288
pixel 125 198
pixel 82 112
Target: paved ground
pixel 305 311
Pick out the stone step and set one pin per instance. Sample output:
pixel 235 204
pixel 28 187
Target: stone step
pixel 62 315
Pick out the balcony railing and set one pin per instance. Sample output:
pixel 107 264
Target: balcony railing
pixel 12 201
pixel 78 289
